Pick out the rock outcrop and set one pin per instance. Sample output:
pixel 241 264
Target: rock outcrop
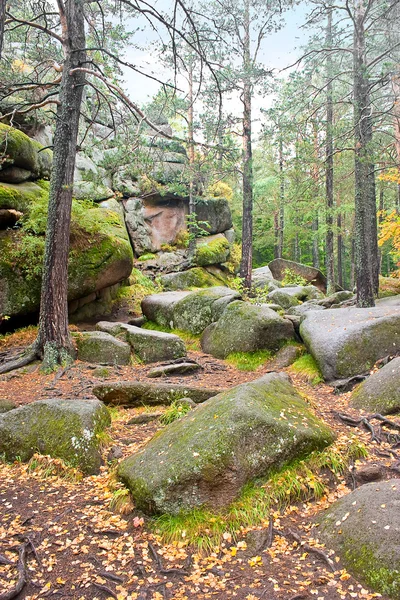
pixel 314 276
pixel 205 458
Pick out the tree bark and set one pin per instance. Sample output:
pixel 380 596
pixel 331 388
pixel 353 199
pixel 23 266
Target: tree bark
pixel 366 247
pixel 2 20
pixel 281 198
pixel 247 223
pixel 339 250
pixel 329 241
pixel 192 206
pixel 54 342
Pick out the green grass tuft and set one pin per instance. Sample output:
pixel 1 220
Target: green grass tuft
pixel 175 411
pixel 299 482
pixel 307 367
pixel 248 361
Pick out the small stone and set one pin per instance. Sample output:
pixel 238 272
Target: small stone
pixel 6 405
pixel 114 454
pixel 144 418
pixel 184 368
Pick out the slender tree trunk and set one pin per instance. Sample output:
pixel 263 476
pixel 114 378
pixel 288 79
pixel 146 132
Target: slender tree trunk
pixel 380 220
pixel 192 205
pixel 329 242
pixel 396 124
pixel 281 198
pixel 276 234
pixel 366 247
pixel 2 19
pixel 315 223
pixel 247 224
pixel 315 243
pixel 339 250
pixel 54 342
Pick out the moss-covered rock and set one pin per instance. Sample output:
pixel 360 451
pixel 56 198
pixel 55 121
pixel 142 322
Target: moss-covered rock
pixel 6 405
pixel 21 151
pixel 283 298
pixel 363 528
pixel 192 278
pixel 69 429
pixel 206 457
pixel 245 328
pixel 211 250
pixel 348 341
pixel 138 393
pixel 190 311
pixel 100 253
pixel 101 347
pixel 214 214
pixel 153 346
pixel 380 393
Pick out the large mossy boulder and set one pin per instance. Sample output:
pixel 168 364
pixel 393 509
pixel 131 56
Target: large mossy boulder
pixel 63 428
pixel 363 528
pixel 153 346
pixel 348 341
pixel 279 268
pixel 139 393
pixel 197 277
pixel 244 328
pixel 22 157
pixel 380 393
pixel 205 458
pixel 191 311
pixel 211 250
pixel 100 251
pixel 214 214
pixel 101 347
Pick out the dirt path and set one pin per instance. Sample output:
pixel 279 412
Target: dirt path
pixel 84 550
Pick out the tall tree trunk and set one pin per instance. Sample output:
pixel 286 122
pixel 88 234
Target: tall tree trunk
pixel 2 19
pixel 276 234
pixel 192 205
pixel 380 220
pixel 396 124
pixel 247 224
pixel 315 176
pixel 329 242
pixel 53 341
pixel 281 198
pixel 339 250
pixel 366 247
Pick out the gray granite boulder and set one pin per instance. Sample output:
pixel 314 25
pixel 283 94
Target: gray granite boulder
pixel 348 341
pixel 191 311
pixel 214 211
pixel 363 528
pixel 206 457
pixel 137 393
pixel 380 393
pixel 101 347
pixel 153 346
pixel 314 276
pixel 244 328
pixel 63 428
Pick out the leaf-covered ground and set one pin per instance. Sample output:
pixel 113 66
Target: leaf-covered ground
pixel 81 545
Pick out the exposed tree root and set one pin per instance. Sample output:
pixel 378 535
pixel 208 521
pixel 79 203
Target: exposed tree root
pixel 22 575
pixel 292 535
pixel 378 436
pixel 24 359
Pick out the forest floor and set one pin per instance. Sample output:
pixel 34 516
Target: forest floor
pixel 85 550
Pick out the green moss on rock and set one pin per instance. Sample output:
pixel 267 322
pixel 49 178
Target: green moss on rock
pixel 206 457
pixel 211 250
pixel 21 151
pixel 67 429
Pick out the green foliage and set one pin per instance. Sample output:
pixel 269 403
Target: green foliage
pixel 195 228
pixel 307 367
pixel 147 256
pixel 291 278
pixel 175 411
pixel 300 481
pixel 248 361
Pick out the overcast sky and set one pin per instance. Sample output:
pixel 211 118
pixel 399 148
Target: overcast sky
pixel 279 50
